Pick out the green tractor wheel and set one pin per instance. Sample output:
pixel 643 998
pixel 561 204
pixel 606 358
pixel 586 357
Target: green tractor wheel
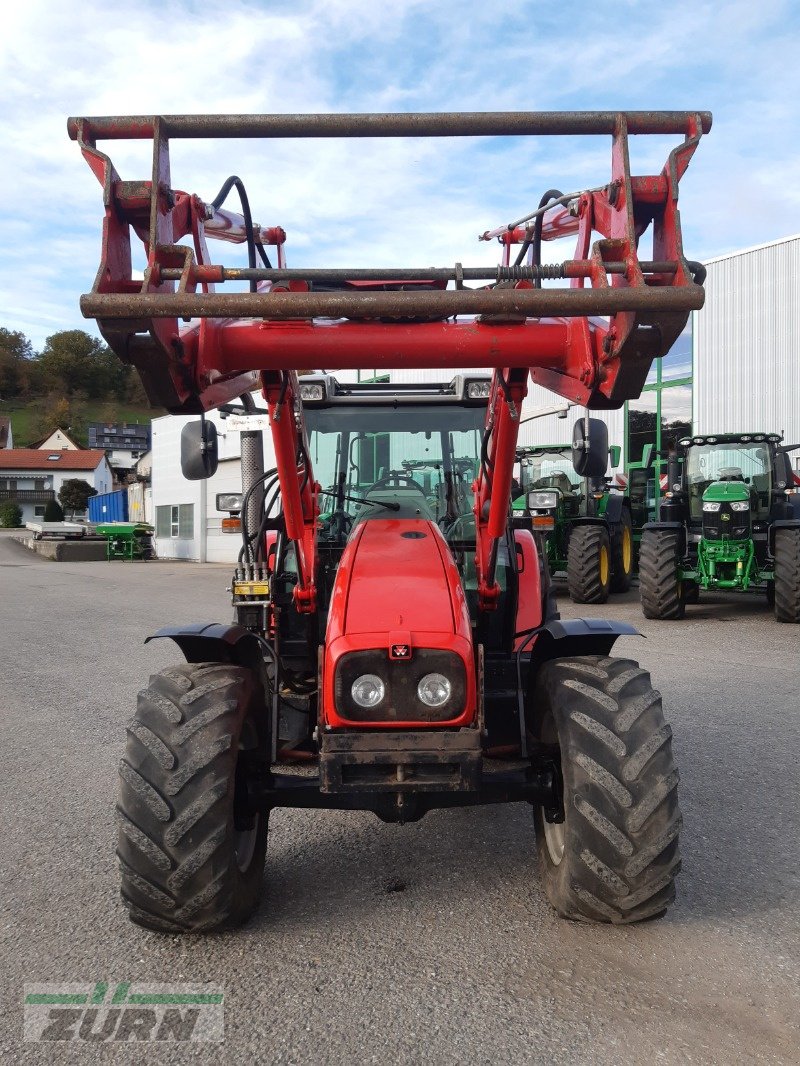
pixel 622 553
pixel 589 564
pixel 659 575
pixel 787 575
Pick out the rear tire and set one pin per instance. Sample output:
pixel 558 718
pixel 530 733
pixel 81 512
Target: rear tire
pixel 622 553
pixel 659 579
pixel 614 858
pixel 787 575
pixel 589 564
pixel 191 852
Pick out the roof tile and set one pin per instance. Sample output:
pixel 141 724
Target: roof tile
pixel 36 459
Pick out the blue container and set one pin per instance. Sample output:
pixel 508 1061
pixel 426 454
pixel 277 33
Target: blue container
pixel 110 507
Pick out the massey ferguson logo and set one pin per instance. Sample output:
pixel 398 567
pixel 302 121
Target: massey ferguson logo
pixel 400 651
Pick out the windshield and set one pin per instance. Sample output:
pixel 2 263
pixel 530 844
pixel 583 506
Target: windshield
pixel 423 455
pixel 550 469
pixel 750 463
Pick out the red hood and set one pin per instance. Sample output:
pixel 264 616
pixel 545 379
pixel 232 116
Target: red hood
pixel 397 574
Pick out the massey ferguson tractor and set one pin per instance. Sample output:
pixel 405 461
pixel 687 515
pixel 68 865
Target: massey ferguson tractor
pixel 393 647
pixel 729 521
pixel 585 523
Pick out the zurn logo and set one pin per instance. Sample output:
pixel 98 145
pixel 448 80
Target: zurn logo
pixel 123 1012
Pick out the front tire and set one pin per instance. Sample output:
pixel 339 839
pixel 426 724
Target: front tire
pixel 614 857
pixel 589 564
pixel 191 851
pixel 659 575
pixel 787 575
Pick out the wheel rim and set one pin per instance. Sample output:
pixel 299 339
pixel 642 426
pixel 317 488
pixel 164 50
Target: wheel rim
pixel 627 549
pixel 555 839
pixel 604 568
pixel 245 824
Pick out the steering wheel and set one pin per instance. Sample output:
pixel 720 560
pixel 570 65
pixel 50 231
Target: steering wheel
pixel 400 481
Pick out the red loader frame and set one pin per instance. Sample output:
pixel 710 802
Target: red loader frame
pixel 512 323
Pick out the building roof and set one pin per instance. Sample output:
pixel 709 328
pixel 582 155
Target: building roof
pixel 56 429
pixel 752 248
pixel 38 459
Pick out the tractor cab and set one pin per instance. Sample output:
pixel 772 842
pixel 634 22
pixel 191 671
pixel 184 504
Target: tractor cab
pixel 548 481
pixel 747 460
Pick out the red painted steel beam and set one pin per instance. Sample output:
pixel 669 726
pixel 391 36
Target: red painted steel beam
pixel 419 345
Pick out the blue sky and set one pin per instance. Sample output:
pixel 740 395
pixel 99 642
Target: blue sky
pixel 383 203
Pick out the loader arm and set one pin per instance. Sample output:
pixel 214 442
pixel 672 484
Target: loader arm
pixel 592 342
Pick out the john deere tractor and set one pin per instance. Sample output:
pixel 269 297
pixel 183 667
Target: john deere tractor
pixel 730 519
pixel 585 524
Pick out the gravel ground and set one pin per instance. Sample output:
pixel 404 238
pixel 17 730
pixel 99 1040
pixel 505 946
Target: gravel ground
pixel 426 943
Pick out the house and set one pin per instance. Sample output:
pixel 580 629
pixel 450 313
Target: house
pixel 125 442
pixel 58 440
pixel 32 477
pixel 6 438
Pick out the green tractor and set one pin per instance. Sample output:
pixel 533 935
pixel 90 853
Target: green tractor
pixel 585 523
pixel 729 520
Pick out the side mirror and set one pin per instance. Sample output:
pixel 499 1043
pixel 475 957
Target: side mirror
pixel 614 456
pixel 590 452
pixel 647 455
pixel 199 450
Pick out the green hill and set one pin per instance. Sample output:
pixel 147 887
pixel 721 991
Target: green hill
pixel 32 421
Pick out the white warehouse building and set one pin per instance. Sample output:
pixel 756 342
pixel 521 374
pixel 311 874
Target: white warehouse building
pixel 735 368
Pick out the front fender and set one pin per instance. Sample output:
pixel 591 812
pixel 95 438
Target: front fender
pixel 215 642
pixel 578 636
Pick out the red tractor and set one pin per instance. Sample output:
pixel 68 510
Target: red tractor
pixel 394 647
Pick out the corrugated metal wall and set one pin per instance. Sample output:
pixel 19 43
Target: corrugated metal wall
pixel 747 343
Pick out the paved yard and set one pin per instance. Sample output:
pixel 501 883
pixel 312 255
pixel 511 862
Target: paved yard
pixel 467 963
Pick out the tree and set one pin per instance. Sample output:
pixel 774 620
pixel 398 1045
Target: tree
pixel 73 361
pixel 10 515
pixel 52 512
pixel 75 495
pixel 15 363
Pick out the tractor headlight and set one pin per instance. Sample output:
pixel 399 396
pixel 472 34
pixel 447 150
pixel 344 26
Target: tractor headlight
pixel 740 505
pixel 709 506
pixel 542 501
pixel 368 690
pixel 434 690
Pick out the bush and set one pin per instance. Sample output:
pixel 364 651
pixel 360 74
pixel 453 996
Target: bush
pixel 53 512
pixel 10 515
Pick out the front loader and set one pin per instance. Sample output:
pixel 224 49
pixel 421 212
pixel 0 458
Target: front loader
pixel 394 648
pixel 729 521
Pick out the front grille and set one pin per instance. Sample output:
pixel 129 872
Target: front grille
pixel 726 523
pixel 401 677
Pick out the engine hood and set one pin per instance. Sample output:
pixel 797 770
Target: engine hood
pixel 397 575
pixel 726 492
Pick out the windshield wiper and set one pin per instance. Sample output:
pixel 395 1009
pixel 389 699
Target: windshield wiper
pixel 356 499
